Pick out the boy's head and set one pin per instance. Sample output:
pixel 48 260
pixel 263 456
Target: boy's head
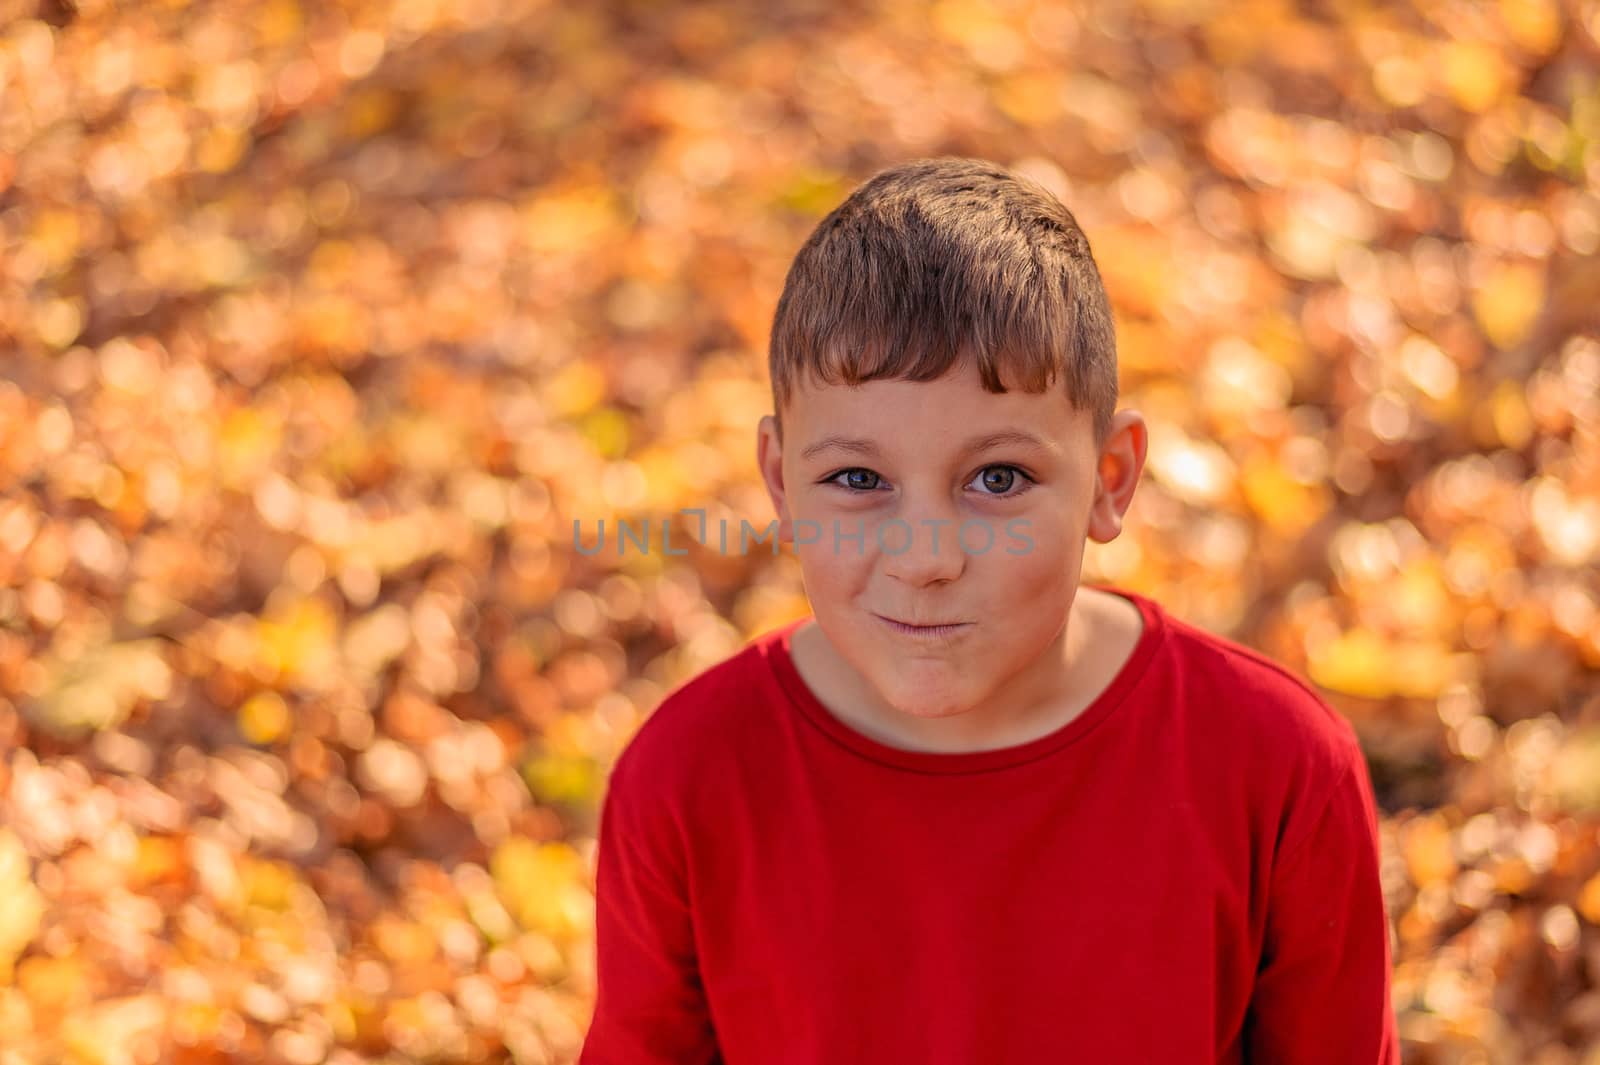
pixel 945 436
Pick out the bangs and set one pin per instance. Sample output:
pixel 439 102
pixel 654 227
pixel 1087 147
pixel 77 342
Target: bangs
pixel 922 328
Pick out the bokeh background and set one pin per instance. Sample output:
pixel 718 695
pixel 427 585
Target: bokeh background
pixel 322 322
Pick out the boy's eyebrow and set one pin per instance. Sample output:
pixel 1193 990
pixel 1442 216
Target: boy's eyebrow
pixel 839 443
pixel 1013 437
pixel 859 446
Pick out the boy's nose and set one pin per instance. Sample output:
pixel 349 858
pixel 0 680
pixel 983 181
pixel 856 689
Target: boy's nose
pixel 920 551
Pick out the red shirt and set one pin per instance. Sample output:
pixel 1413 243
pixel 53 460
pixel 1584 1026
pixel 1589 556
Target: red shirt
pixel 1184 873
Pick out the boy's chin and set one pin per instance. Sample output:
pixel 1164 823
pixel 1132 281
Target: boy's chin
pixel 923 702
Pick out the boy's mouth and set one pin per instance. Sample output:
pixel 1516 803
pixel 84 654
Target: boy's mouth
pixel 946 628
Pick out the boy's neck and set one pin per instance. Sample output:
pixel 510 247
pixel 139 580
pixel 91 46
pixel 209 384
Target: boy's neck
pixel 1100 635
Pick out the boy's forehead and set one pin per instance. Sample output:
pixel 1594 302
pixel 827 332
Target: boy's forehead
pixel 890 413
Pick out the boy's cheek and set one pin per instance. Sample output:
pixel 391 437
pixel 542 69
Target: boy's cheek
pixel 806 532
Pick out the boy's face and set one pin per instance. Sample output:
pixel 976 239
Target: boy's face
pixel 972 510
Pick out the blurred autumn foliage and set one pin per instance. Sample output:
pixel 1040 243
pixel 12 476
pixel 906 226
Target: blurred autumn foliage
pixel 321 323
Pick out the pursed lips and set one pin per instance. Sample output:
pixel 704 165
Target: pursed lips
pixel 922 624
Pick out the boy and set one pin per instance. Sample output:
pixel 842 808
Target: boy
pixel 969 811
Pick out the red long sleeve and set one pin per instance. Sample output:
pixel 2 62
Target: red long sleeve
pixel 1322 995
pixel 650 1006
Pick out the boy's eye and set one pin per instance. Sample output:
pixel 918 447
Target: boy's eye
pixel 999 480
pixel 857 479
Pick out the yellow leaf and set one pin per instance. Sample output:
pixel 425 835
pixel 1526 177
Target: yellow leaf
pixel 963 20
pixel 1534 24
pixel 542 885
pixel 370 111
pixel 1401 80
pixel 606 429
pixel 220 147
pixel 1508 302
pixel 1430 857
pixel 562 778
pixel 1031 98
pixel 811 192
pixel 246 441
pixel 1191 12
pixel 1137 268
pixel 1575 776
pixel 1513 422
pixel 264 718
pixel 101 1035
pixel 24 905
pixel 55 237
pixel 1475 74
pixel 1589 900
pixel 16 1015
pixel 200 1021
pixel 1420 601
pixel 576 388
pixel 298 643
pixel 278 23
pixel 1512 875
pixel 334 324
pixel 571 220
pixel 54 984
pixel 57 322
pixel 405 942
pixel 268 884
pixel 159 858
pixel 666 483
pixel 96 688
pixel 1364 662
pixel 1284 503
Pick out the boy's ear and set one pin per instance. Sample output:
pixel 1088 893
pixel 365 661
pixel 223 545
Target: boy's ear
pixel 769 459
pixel 1117 470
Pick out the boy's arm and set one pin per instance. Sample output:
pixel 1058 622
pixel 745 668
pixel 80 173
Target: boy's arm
pixel 650 1006
pixel 1322 990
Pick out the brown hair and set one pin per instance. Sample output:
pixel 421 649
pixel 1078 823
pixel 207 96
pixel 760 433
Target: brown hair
pixel 937 258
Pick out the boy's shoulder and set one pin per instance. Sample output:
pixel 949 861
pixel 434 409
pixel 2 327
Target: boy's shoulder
pixel 706 715
pixel 1263 728
pixel 1243 689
